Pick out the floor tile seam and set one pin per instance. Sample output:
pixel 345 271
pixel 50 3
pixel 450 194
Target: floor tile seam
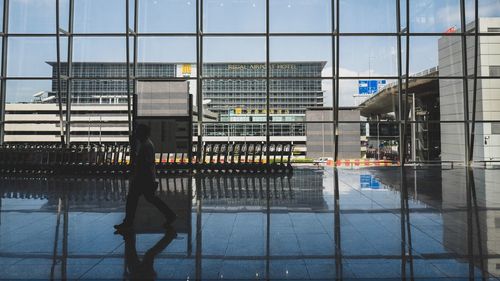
pixel 429 236
pixel 441 271
pixel 360 234
pixel 92 220
pixel 100 261
pixel 326 230
pixel 230 235
pixel 295 228
pixel 25 239
pixel 29 224
pixel 307 270
pixel 203 222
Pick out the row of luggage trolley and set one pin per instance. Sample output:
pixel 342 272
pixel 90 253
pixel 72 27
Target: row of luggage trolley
pixel 97 158
pixel 115 158
pixel 246 156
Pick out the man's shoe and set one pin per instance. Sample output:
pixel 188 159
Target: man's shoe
pixel 123 226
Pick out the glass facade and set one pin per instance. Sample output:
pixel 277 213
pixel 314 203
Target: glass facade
pixel 423 76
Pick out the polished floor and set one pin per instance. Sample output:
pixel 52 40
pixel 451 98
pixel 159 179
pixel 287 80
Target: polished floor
pixel 316 224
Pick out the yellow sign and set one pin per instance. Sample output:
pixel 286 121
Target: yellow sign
pixel 186 69
pixel 237 110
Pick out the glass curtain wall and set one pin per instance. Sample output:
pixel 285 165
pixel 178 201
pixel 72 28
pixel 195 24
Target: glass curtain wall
pixel 402 81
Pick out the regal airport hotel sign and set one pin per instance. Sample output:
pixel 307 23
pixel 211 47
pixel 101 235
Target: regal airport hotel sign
pixel 261 66
pixel 188 70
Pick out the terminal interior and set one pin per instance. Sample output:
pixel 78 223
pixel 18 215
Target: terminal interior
pixel 312 224
pixel 293 139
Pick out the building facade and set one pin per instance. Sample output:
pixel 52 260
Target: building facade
pixel 232 92
pixel 287 96
pixel 90 123
pixel 227 93
pixel 487 135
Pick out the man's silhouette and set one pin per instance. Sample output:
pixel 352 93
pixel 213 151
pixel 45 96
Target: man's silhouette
pixel 144 270
pixel 143 180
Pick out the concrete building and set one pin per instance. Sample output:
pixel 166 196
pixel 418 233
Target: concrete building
pixel 91 123
pixel 104 89
pixel 478 226
pixel 38 122
pixel 320 136
pixel 232 99
pixel 287 96
pixel 487 136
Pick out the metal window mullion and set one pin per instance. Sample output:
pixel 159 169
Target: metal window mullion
pixel 268 71
pixel 335 18
pixel 407 80
pixel 199 79
pixel 127 50
pixel 273 34
pixel 405 186
pixel 69 71
pixel 242 34
pixel 59 88
pixel 135 71
pixel 402 148
pixel 336 84
pixel 3 86
pixel 474 90
pixel 401 137
pixel 465 82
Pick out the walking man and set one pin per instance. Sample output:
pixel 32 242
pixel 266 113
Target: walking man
pixel 143 181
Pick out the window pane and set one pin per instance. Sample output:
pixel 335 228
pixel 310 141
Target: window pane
pixel 169 54
pixel 94 16
pixel 300 56
pixel 489 55
pixel 429 53
pixel 300 16
pixel 350 135
pixel 234 16
pixel 290 98
pixel 64 14
pixel 368 56
pixel 355 92
pixel 32 112
pixel 23 91
pixel 487 9
pixel 487 133
pixel 32 16
pixel 100 50
pixel 31 56
pixel 235 99
pixel 167 16
pixel 234 52
pixel 434 15
pixel 223 132
pixel 99 125
pixel 1 15
pixel 360 16
pixel 449 56
pixel 488 101
pixel 487 142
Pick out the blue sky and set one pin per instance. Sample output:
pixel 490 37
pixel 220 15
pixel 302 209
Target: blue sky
pixel 358 55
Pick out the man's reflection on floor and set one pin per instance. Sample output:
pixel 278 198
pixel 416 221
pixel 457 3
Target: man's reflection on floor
pixel 144 270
